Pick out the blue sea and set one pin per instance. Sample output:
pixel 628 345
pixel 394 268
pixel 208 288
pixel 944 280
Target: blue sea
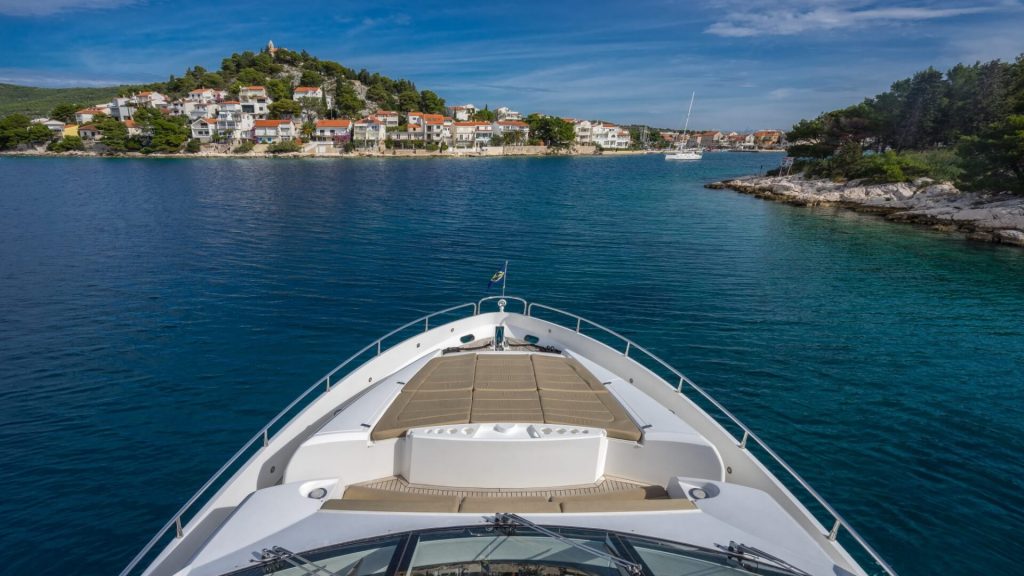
pixel 154 314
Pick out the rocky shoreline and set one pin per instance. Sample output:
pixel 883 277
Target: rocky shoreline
pixel 985 217
pixel 505 153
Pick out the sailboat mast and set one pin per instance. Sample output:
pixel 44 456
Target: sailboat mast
pixel 686 126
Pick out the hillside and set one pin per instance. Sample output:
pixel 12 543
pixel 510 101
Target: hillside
pixel 353 93
pixel 34 102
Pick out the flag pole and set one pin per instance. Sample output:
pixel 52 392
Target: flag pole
pixel 504 279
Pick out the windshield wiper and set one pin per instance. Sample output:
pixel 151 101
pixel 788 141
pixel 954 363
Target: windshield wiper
pixel 279 554
pixel 508 521
pixel 744 552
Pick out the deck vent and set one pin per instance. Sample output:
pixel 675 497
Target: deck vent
pixel 531 339
pixel 698 493
pixel 466 339
pixel 317 493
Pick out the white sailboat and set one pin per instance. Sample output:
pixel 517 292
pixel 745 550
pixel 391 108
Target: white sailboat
pixel 681 151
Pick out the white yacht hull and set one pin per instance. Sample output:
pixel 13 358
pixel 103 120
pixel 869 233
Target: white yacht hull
pixel 684 156
pixel 270 500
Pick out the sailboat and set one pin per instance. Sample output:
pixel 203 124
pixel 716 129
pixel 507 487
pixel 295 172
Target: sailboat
pixel 681 151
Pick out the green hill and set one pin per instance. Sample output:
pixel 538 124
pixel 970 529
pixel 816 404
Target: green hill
pixel 34 102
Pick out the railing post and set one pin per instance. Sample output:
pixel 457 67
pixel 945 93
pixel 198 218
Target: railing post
pixel 426 324
pixel 834 533
pixel 266 438
pixel 679 388
pixel 378 347
pixel 178 532
pixel 579 322
pixel 743 442
pixel 628 344
pixel 328 383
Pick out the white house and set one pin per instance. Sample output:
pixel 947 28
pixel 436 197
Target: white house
pixel 273 131
pixel 204 129
pixel 200 95
pixel 503 127
pixel 610 136
pixel 389 118
pixel 472 134
pixel 87 114
pixel 463 113
pixel 369 132
pixel 255 101
pixel 123 108
pixel 89 132
pixel 56 127
pixel 506 113
pixel 150 99
pixel 314 92
pixel 232 123
pixel 337 131
pixel 583 131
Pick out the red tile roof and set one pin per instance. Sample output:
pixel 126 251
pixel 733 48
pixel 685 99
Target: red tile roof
pixel 271 123
pixel 512 123
pixel 333 123
pixel 473 123
pixel 306 89
pixel 254 88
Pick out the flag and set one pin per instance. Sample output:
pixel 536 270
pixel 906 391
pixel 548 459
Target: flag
pixel 498 276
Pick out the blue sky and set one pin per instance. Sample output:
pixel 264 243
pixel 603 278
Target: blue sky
pixel 753 63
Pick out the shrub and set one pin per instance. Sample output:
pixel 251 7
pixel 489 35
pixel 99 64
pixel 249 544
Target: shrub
pixel 350 147
pixel 194 145
pixel 67 144
pixel 244 148
pixel 286 147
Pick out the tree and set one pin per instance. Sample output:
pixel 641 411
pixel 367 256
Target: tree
pixel 380 95
pixel 408 100
pixel 285 108
pixel 278 89
pixel 67 144
pixel 431 103
pixel 65 112
pixel 346 100
pixel 485 115
pixel 311 78
pixel 995 158
pixel 551 130
pixel 251 77
pixel 194 146
pixel 308 128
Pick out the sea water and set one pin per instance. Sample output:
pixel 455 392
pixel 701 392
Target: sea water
pixel 154 314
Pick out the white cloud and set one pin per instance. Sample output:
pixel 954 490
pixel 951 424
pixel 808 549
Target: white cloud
pixel 795 19
pixel 47 7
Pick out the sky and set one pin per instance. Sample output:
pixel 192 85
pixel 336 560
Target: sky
pixel 754 64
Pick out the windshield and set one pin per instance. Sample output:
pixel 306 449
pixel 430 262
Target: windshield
pixel 491 551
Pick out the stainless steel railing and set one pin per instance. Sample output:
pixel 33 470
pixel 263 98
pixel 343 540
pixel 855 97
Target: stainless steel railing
pixel 264 436
pixel 748 435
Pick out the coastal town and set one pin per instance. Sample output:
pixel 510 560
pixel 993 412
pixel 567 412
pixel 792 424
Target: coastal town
pixel 307 120
pixel 221 122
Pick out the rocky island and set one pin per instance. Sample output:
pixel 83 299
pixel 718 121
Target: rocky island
pixel 990 217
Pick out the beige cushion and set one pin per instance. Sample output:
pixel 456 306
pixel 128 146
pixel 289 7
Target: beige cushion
pixel 482 504
pixel 563 374
pixel 445 373
pixel 412 409
pixel 504 371
pixel 638 493
pixel 590 409
pixel 589 506
pixel 506 406
pixel 366 493
pixel 392 505
pixel 503 387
